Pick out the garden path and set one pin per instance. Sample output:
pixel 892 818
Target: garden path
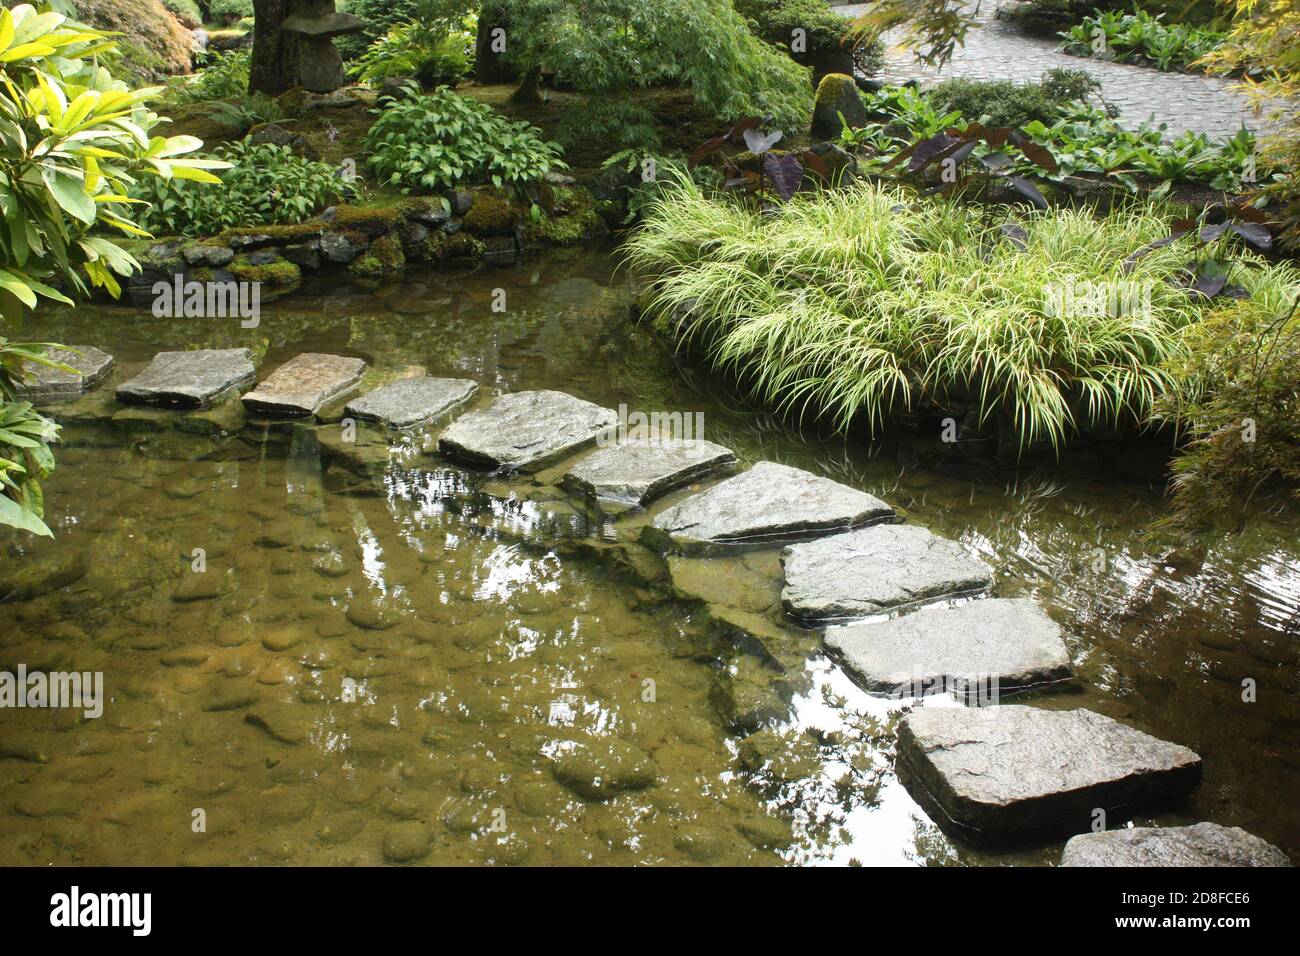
pixel 997 50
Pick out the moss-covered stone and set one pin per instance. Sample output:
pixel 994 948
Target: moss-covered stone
pixel 837 93
pixel 442 247
pixel 373 221
pixel 279 274
pixel 574 218
pixel 491 214
pixel 383 258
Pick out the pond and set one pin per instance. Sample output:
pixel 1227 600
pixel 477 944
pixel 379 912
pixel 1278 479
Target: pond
pixel 390 657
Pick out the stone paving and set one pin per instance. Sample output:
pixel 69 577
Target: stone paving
pixel 987 774
pixel 996 50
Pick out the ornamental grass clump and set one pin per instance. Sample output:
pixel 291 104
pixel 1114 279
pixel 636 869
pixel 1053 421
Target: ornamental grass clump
pixel 858 304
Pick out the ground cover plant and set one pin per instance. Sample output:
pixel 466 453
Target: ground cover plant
pixel 856 304
pixel 1139 37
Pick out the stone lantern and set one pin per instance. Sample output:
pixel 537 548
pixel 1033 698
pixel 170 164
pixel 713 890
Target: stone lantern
pixel 315 24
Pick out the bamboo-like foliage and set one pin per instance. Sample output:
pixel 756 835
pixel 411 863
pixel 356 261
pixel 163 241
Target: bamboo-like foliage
pixel 856 303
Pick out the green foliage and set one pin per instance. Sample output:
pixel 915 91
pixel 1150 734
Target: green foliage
pixel 243 114
pixel 858 303
pixel 265 184
pixel 1004 103
pixel 72 141
pixel 187 11
pixel 933 28
pixel 605 45
pixel 380 16
pixel 431 57
pixel 827 33
pixel 621 123
pixel 430 142
pixel 229 11
pixel 1237 399
pixel 1139 37
pixel 224 76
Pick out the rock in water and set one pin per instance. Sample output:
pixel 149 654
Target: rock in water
pixel 770 502
pixel 875 569
pixel 189 379
pixel 412 401
pixel 636 472
pixel 304 383
pixel 601 768
pixel 1204 844
pixel 526 430
pixel 51 384
pixel 1012 773
pixel 963 649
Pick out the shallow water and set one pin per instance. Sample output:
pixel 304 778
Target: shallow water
pixel 392 654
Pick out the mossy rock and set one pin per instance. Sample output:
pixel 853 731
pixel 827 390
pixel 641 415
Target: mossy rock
pixel 574 218
pixel 492 214
pixel 443 247
pixel 280 274
pixel 384 258
pixel 837 93
pixel 373 221
pixel 280 233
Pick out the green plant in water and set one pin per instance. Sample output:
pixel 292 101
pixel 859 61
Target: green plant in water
pixel 859 303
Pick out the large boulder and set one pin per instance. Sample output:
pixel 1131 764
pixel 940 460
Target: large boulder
pixel 1204 844
pixel 837 93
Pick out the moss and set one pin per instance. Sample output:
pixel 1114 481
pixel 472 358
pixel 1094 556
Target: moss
pixel 441 247
pixel 372 220
pixel 283 233
pixel 575 218
pixel 383 258
pixel 491 214
pixel 280 273
pixel 834 89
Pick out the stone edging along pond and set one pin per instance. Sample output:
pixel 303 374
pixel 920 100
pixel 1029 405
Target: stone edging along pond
pixel 903 611
pixel 371 243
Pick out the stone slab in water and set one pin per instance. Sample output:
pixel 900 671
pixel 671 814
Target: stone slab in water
pixel 1203 844
pixel 526 430
pixel 1012 773
pixel 304 383
pixel 1008 640
pixel 636 472
pixel 47 384
pixel 189 379
pixel 770 502
pixel 874 570
pixel 412 401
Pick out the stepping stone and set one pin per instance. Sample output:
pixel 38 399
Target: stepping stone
pixel 526 430
pixel 304 383
pixel 964 649
pixel 52 384
pixel 411 401
pixel 770 502
pixel 1204 844
pixel 1013 773
pixel 636 472
pixel 877 569
pixel 189 379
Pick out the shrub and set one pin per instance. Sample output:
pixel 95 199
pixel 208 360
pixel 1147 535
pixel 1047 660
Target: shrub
pixel 432 58
pixel 229 11
pixel 1139 37
pixel 430 142
pixel 1237 399
pixel 859 303
pixel 619 124
pixel 223 76
pixel 828 34
pixel 266 184
pixel 1004 103
pixel 72 140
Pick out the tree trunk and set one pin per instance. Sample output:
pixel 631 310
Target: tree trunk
pixel 491 66
pixel 274 67
pixel 529 90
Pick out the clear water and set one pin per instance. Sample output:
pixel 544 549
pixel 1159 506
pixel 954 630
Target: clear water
pixel 388 654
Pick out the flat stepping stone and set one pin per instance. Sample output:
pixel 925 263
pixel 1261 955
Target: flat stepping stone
pixel 526 430
pixel 770 502
pixel 193 379
pixel 53 384
pixel 965 649
pixel 304 383
pixel 875 570
pixel 1203 844
pixel 1012 773
pixel 637 472
pixel 411 401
